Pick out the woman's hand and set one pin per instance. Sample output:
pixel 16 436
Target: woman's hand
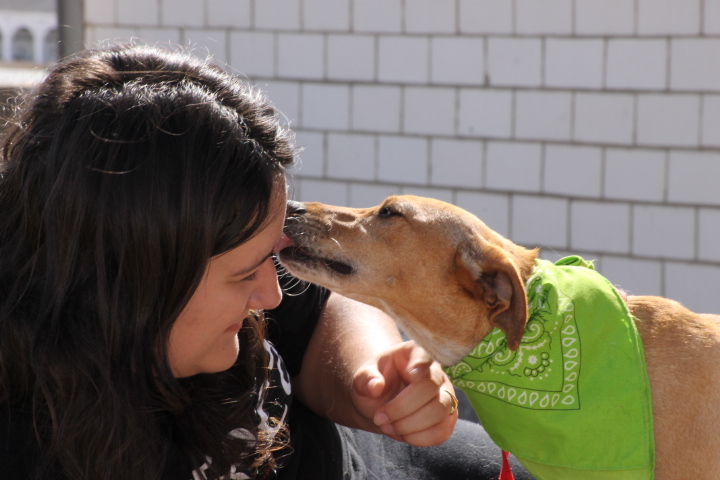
pixel 407 395
pixel 358 372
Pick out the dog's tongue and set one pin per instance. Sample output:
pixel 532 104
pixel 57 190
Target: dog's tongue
pixel 283 243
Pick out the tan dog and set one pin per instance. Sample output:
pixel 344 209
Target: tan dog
pixel 448 280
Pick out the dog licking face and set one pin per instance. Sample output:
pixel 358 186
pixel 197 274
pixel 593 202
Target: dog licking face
pixel 445 278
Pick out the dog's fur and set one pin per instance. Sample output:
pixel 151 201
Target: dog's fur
pixel 448 280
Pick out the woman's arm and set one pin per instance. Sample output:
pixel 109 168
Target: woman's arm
pixel 358 372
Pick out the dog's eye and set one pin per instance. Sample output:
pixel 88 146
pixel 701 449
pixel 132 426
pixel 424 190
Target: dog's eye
pixel 387 212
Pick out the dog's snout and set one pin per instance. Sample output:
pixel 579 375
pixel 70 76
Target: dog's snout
pixel 345 217
pixel 295 208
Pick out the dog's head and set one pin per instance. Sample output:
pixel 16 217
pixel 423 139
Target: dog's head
pixel 445 277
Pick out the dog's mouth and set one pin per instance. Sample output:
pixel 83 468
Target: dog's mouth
pixel 302 255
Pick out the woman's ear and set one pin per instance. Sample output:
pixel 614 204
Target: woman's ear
pixel 491 276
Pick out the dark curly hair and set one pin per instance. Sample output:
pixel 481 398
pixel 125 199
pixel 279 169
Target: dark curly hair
pixel 123 174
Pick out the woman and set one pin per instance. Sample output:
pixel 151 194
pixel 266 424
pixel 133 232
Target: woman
pixel 141 199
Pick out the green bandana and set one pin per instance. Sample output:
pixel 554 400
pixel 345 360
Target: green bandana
pixel 575 395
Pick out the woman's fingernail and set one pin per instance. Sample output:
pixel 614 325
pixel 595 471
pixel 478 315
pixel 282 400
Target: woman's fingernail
pixel 387 429
pixel 372 383
pixel 381 419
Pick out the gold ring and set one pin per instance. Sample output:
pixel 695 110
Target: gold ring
pixel 454 399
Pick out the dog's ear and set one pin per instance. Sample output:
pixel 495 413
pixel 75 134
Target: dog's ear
pixel 489 274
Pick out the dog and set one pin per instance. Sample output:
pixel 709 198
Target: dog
pixel 454 285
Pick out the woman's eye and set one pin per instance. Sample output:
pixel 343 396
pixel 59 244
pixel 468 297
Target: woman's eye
pixel 250 277
pixel 254 275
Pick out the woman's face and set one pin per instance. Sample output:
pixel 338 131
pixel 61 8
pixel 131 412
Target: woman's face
pixel 204 339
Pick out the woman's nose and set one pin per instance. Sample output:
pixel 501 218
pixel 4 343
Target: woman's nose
pixel 267 295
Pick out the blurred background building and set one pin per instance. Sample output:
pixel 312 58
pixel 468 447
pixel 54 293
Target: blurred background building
pixel 28 31
pixel 580 126
pixel 28 41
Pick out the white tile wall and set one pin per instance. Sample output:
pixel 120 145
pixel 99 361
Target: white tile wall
pixel 403 160
pixel 267 14
pixel 711 17
pixel 376 108
pixel 430 16
pixel 370 194
pixel 326 15
pixel 377 16
pixel 573 171
pixel 229 13
pixel 673 17
pixel 574 62
pixel 539 221
pixel 544 115
pixel 100 12
pixel 188 13
pixel 351 57
pixel 485 113
pixel 635 276
pixel 456 163
pixel 301 55
pixel 312 157
pixel 698 282
pixel 351 156
pixel 661 231
pixel 515 61
pixel 551 17
pixel 606 118
pixel 604 17
pixel 404 59
pixel 636 64
pixel 635 174
pixel 138 13
pixel 331 192
pixel 253 53
pixel 429 111
pixel 600 227
pixel 457 60
pixel 581 126
pixel 710 135
pixel 513 166
pixel 695 64
pixel 709 234
pixel 325 106
pixel 486 16
pixel 693 177
pixel 286 98
pixel 669 120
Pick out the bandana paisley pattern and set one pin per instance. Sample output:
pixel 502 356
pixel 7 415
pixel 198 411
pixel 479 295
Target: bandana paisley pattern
pixel 543 373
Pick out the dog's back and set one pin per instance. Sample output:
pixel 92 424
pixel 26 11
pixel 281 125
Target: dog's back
pixel 682 352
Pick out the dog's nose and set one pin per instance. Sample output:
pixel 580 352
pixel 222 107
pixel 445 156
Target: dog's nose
pixel 294 208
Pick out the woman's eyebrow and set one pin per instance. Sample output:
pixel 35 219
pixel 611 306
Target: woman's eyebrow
pixel 254 266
